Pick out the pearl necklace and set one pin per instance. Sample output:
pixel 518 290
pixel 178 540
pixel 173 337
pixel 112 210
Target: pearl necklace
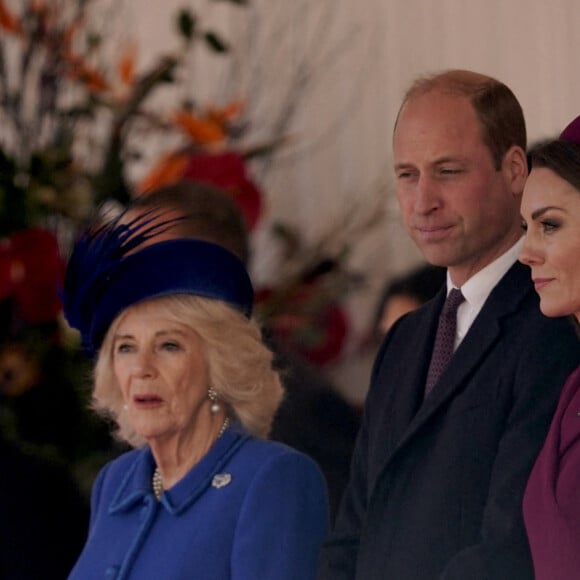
pixel 157 484
pixel 157 481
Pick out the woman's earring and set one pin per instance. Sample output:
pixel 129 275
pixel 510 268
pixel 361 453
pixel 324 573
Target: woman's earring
pixel 213 397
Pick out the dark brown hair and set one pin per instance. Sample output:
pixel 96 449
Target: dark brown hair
pixel 562 157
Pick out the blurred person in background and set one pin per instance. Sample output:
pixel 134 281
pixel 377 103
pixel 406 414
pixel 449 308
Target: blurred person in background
pixel 406 293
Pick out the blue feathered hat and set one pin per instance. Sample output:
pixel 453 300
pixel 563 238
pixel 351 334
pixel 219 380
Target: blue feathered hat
pixel 120 261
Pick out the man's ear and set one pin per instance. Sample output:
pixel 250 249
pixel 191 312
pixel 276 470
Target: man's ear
pixel 515 168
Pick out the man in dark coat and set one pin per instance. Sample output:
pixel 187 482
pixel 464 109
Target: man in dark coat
pixel 437 476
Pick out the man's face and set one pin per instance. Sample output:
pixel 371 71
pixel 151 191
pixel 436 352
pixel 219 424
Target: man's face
pixel 457 207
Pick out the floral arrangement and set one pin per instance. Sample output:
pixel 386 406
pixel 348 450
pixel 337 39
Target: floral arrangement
pixel 69 120
pixel 73 119
pixel 68 116
pixel 74 115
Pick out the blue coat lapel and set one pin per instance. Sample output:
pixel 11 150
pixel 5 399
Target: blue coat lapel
pixel 137 481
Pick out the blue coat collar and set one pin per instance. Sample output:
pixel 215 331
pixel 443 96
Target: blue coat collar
pixel 136 485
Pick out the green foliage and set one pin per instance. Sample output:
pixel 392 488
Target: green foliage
pixel 216 43
pixel 186 23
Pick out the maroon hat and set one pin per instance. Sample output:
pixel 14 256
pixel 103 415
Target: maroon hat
pixel 572 131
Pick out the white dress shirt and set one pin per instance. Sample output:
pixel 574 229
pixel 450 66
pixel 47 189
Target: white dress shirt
pixel 479 287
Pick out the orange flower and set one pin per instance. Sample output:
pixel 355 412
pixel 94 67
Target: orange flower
pixel 92 78
pixel 202 131
pixel 8 21
pixel 126 65
pixel 224 114
pixel 168 170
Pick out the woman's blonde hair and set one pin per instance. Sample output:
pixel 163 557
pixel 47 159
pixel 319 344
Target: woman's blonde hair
pixel 240 365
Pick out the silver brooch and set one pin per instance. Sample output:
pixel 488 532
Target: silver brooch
pixel 221 480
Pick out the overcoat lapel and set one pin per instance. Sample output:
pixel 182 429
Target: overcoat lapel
pixel 483 334
pixel 473 349
pixel 408 384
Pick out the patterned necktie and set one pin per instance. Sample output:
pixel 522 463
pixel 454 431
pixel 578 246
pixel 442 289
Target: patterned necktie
pixel 445 338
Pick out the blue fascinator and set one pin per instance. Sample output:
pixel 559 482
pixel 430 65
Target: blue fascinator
pixel 122 261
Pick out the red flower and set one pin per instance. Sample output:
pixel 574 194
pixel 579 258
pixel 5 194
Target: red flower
pixel 316 331
pixel 31 272
pixel 8 21
pixel 227 171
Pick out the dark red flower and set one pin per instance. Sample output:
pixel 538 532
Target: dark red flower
pixel 228 172
pixel 31 272
pixel 316 331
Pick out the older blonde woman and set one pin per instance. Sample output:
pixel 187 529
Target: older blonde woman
pixel 182 372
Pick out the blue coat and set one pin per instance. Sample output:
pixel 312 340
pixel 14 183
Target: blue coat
pixel 249 510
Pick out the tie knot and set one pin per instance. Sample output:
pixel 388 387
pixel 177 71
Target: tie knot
pixel 454 299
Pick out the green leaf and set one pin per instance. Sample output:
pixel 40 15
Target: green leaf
pixel 215 42
pixel 186 22
pixel 167 76
pixel 94 41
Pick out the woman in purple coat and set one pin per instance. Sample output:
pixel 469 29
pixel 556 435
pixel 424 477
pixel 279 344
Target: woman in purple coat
pixel 551 216
pixel 183 374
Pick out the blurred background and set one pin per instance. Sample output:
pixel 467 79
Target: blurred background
pixel 288 105
pixel 326 77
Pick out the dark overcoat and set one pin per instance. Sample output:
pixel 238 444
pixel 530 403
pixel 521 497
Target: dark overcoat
pixel 436 487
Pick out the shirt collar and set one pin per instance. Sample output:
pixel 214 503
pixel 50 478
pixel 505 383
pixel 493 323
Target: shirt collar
pixel 479 287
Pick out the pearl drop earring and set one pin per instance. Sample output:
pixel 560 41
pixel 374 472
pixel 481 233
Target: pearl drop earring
pixel 213 397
